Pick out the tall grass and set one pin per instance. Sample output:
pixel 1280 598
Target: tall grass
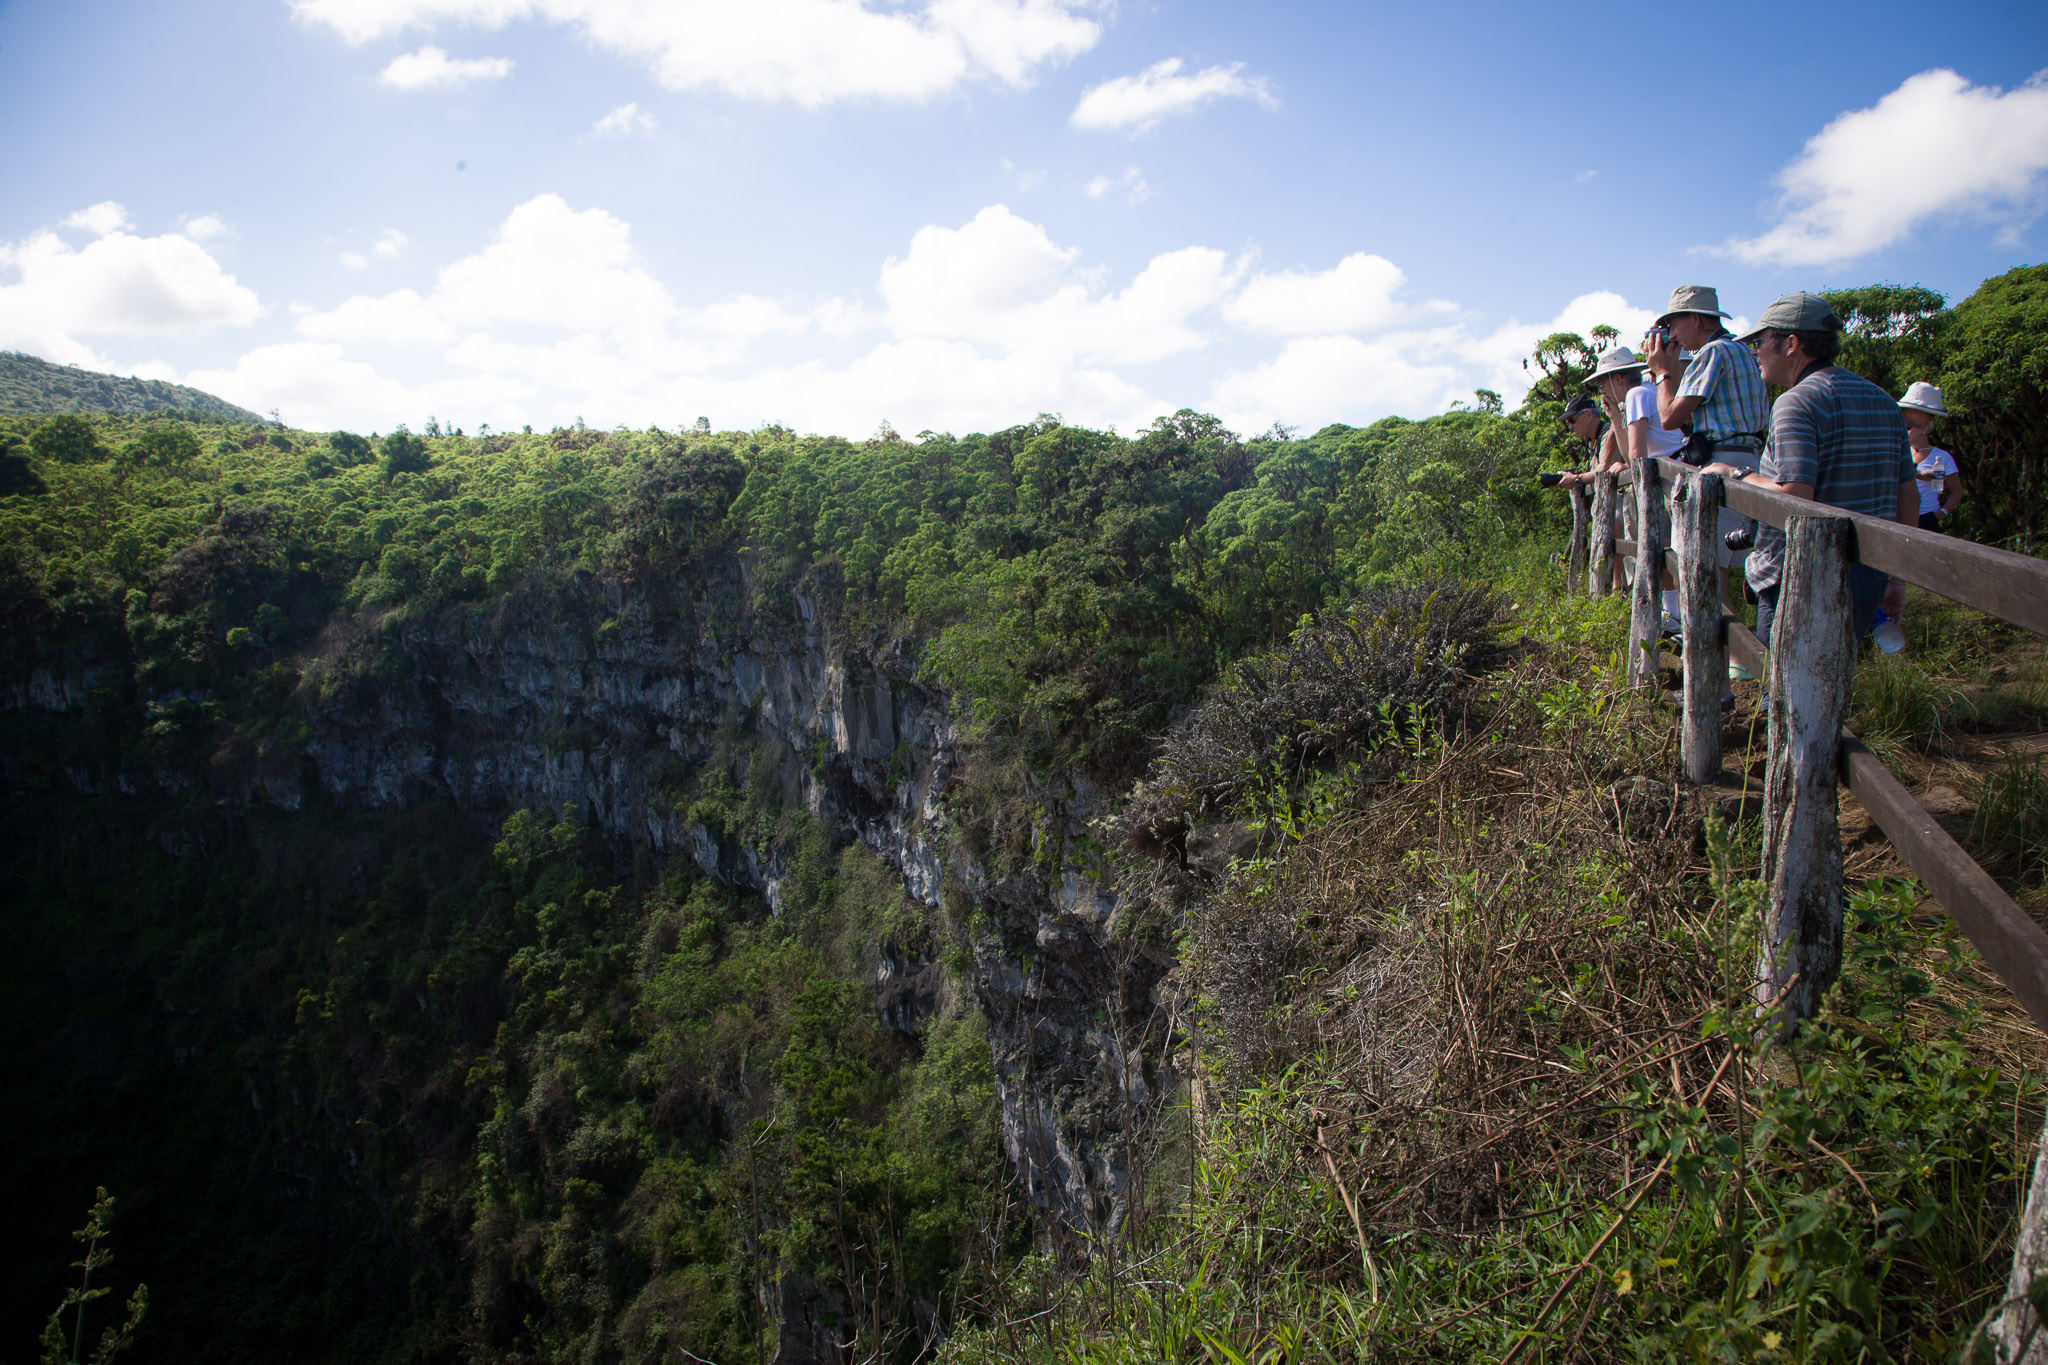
pixel 2010 824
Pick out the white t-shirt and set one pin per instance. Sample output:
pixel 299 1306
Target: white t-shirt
pixel 1642 403
pixel 1941 464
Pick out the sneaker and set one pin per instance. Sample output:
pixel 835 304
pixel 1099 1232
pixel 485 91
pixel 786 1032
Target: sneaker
pixel 1738 672
pixel 1673 627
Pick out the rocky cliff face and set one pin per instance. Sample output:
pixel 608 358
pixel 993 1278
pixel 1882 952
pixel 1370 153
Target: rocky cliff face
pixel 604 705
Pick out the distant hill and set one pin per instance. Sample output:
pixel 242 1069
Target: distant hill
pixel 29 384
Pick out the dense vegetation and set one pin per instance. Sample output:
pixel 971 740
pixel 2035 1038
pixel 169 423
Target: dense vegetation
pixel 28 384
pixel 414 1085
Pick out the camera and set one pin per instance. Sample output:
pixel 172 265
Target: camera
pixel 1660 334
pixel 1739 539
pixel 1550 480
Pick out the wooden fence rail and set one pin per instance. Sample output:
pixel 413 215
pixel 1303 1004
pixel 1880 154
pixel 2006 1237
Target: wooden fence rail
pixel 1807 681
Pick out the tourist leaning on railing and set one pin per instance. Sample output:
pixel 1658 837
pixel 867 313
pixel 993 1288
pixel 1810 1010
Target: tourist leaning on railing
pixel 1835 438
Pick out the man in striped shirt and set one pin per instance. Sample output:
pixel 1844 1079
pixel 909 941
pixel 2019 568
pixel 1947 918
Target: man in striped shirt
pixel 1718 399
pixel 1835 438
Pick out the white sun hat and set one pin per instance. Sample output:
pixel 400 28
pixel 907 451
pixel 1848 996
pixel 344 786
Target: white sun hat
pixel 1615 361
pixel 1924 397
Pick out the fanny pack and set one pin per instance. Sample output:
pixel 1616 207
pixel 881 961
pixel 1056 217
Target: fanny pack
pixel 1699 448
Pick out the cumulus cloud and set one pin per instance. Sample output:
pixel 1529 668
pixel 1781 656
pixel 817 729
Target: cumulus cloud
pixel 1002 281
pixel 973 326
pixel 1409 372
pixel 101 219
pixel 625 121
pixel 808 52
pixel 1358 294
pixel 205 227
pixel 1136 103
pixel 387 246
pixel 1935 146
pixel 1131 183
pixel 432 69
pixel 119 284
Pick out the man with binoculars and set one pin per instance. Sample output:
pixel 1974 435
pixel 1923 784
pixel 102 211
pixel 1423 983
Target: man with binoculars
pixel 1718 399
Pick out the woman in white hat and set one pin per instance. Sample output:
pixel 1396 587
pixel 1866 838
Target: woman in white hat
pixel 1941 483
pixel 1630 398
pixel 1941 489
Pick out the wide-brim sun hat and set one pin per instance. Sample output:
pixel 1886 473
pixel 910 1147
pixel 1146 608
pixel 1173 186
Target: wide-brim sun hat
pixel 1922 396
pixel 1692 298
pixel 1619 360
pixel 1800 312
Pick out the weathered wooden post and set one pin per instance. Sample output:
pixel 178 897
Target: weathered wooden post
pixel 1601 556
pixel 1813 660
pixel 2017 1323
pixel 1696 533
pixel 1575 553
pixel 1646 610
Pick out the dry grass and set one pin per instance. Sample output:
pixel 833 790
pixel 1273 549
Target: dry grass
pixel 1485 957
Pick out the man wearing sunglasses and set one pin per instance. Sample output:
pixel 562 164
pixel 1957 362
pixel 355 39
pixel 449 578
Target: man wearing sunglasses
pixel 1835 438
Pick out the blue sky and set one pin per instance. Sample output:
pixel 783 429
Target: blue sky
pixel 955 214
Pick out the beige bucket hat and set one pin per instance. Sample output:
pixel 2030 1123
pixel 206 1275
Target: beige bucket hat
pixel 1615 361
pixel 1693 298
pixel 1923 397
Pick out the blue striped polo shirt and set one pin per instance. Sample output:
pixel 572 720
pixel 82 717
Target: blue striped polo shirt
pixel 1843 434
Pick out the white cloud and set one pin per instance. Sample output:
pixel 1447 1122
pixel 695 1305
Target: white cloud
pixel 809 52
pixel 1355 295
pixel 1318 380
pixel 972 327
pixel 101 219
pixel 625 121
pixel 1936 145
pixel 1000 280
pixel 387 246
pixel 401 318
pixel 117 285
pixel 205 227
pixel 1136 103
pixel 315 385
pixel 1131 182
pixel 432 69
pixel 552 266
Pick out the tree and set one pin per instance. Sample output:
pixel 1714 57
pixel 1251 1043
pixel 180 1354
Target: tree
pixel 16 475
pixel 1565 359
pixel 405 453
pixel 164 445
pixel 1891 334
pixel 1994 379
pixel 349 449
pixel 67 440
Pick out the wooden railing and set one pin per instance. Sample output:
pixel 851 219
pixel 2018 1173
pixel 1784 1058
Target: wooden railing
pixel 1807 679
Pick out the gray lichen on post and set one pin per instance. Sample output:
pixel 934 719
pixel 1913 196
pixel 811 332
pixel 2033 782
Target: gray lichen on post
pixel 1813 660
pixel 1646 607
pixel 1601 554
pixel 1696 509
pixel 1575 553
pixel 2016 1322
